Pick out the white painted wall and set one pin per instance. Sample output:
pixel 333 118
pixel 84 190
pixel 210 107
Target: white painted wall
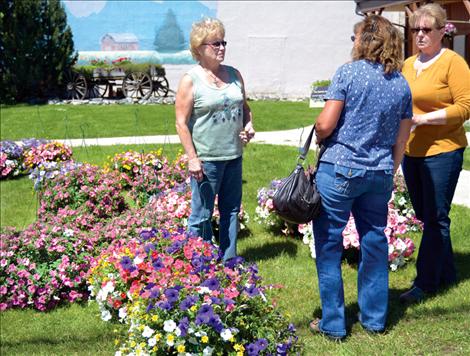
pixel 281 47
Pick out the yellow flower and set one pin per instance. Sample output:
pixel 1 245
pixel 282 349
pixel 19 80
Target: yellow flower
pixel 239 347
pixel 181 348
pixel 158 337
pixel 154 317
pixel 232 339
pixel 204 339
pixel 142 344
pixel 155 349
pixel 193 308
pixel 133 344
pixel 116 342
pixel 240 353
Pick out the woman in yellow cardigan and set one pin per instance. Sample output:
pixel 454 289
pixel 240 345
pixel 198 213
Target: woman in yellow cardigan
pixel 440 85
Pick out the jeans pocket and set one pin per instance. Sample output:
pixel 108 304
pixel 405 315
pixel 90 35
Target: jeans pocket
pixel 388 180
pixel 345 177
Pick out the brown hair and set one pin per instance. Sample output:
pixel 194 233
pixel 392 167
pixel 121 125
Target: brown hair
pixel 379 42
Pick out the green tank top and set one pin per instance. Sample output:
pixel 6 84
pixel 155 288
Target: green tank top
pixel 217 117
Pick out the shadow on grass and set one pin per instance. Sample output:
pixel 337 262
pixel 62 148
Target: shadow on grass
pixel 397 310
pixel 270 250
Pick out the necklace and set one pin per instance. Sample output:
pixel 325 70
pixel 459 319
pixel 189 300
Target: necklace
pixel 215 80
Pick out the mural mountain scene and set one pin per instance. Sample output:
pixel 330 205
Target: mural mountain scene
pixel 147 21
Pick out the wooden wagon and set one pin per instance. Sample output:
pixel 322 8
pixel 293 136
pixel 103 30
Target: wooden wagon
pixel 134 81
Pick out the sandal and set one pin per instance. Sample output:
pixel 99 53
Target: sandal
pixel 314 328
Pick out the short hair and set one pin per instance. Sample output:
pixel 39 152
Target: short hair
pixel 434 12
pixel 379 42
pixel 201 31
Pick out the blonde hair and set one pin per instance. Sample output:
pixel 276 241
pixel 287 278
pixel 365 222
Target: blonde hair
pixel 379 42
pixel 201 31
pixel 434 12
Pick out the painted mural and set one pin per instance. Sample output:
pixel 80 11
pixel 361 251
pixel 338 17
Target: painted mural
pixel 142 30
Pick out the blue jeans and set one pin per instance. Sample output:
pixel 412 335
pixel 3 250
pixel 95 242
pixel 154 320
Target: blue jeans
pixel 225 179
pixel 366 194
pixel 431 182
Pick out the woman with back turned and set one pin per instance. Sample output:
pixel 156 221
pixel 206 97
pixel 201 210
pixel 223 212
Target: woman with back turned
pixel 364 126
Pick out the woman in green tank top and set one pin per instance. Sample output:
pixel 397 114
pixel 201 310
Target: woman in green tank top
pixel 213 121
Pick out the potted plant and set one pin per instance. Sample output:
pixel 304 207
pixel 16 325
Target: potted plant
pixel 319 89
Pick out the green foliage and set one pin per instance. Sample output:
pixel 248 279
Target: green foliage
pixel 37 48
pixel 321 83
pixel 169 37
pixel 104 69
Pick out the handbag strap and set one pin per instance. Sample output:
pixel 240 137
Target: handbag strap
pixel 306 148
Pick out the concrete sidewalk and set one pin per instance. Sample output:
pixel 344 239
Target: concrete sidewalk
pixel 295 137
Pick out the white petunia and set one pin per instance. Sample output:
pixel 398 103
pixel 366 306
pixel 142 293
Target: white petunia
pixel 68 232
pixel 138 260
pixel 169 326
pixel 106 315
pixel 148 332
pixel 207 351
pixel 109 287
pixel 122 312
pixel 226 334
pixel 204 290
pixel 152 341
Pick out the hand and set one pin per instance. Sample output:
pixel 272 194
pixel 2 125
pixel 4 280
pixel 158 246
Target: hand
pixel 248 133
pixel 195 168
pixel 418 120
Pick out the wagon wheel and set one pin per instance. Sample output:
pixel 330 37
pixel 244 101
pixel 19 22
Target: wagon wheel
pixel 75 85
pixel 137 85
pixel 98 88
pixel 161 86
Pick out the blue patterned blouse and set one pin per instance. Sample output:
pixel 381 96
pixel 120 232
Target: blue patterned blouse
pixel 374 104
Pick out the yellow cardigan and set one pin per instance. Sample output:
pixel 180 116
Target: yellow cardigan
pixel 445 84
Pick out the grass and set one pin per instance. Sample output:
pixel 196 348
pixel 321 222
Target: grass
pixel 466 159
pixel 92 121
pixel 438 326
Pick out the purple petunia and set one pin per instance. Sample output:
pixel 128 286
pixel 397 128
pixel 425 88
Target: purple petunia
pixel 204 314
pixel 233 262
pixel 183 325
pixel 148 234
pixel 252 291
pixel 252 349
pixel 211 283
pixel 158 264
pixel 149 247
pixel 262 344
pixel 188 302
pixel 171 294
pixel 127 264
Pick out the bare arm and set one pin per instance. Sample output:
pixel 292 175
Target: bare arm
pixel 183 108
pixel 248 131
pixel 400 143
pixel 328 119
pixel 437 117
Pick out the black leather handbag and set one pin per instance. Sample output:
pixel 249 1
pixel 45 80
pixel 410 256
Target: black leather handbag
pixel 297 199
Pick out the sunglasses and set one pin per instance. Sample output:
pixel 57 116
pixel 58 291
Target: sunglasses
pixel 216 44
pixel 425 30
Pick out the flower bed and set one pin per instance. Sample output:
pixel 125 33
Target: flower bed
pixel 82 209
pixel 177 298
pixel 401 220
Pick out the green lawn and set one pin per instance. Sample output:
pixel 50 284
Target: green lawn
pixel 90 121
pixel 438 326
